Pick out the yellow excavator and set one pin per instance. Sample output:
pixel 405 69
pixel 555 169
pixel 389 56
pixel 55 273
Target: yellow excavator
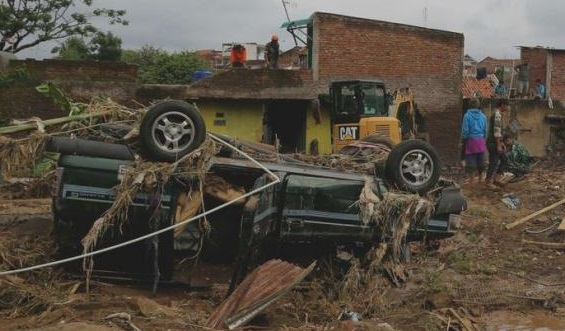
pixel 362 110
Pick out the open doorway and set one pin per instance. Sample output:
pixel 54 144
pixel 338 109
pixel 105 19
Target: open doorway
pixel 285 120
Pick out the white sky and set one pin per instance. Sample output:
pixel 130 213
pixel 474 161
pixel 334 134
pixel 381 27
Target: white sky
pixel 491 27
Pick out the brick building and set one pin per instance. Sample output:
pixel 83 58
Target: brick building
pixel 259 104
pixel 547 64
pixel 344 47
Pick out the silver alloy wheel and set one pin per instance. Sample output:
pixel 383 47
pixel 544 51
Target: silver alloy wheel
pixel 417 167
pixel 173 132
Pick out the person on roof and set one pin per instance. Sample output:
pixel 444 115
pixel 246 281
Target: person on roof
pixel 238 55
pixel 272 52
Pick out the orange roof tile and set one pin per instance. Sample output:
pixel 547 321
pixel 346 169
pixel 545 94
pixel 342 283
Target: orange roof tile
pixel 473 87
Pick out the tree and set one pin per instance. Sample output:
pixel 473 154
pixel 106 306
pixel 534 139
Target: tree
pixel 103 47
pixel 159 67
pixel 106 47
pixel 74 48
pixel 28 23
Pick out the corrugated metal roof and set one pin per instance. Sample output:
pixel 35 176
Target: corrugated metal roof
pixel 259 289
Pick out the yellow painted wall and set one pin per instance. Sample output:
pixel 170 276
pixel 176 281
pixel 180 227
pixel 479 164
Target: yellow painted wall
pixel 243 119
pixel 321 131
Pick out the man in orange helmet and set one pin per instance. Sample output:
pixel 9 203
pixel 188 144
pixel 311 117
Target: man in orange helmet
pixel 272 52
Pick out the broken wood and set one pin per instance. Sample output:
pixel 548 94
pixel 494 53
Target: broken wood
pixel 545 244
pixel 561 226
pixel 54 121
pixel 537 213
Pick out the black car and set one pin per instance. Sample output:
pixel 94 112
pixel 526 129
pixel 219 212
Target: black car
pixel 302 205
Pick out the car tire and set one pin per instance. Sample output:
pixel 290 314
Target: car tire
pixel 376 139
pixel 171 129
pixel 413 166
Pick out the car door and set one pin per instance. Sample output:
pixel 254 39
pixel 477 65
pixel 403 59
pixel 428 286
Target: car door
pixel 322 209
pixel 260 212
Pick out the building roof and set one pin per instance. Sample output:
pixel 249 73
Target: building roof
pixel 551 49
pixel 256 84
pixel 473 87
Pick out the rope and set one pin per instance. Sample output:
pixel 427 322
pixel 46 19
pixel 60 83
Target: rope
pixel 275 180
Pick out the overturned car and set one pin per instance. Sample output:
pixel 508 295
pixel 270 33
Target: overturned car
pixel 261 209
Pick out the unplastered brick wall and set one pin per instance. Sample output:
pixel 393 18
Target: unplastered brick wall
pixel 548 65
pixel 536 58
pixel 430 61
pixel 79 81
pixel 78 70
pixel 557 83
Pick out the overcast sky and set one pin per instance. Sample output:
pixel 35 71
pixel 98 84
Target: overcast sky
pixel 491 27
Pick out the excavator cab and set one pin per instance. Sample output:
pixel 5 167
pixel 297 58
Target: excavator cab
pixel 360 111
pixel 358 98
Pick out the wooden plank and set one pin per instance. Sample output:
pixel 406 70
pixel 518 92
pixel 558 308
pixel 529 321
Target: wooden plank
pixel 562 225
pixel 537 213
pixel 545 244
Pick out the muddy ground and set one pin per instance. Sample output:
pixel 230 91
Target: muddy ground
pixel 484 278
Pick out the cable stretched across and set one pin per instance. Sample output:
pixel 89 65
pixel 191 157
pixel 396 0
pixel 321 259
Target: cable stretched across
pixel 274 181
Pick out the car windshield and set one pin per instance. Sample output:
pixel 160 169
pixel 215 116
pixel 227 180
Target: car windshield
pixel 322 194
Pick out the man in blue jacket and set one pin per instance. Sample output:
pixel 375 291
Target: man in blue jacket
pixel 473 135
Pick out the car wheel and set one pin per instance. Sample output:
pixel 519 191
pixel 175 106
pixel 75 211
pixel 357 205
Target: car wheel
pixel 413 166
pixel 376 139
pixel 171 129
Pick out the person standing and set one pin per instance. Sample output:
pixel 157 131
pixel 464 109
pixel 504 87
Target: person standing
pixel 473 135
pixel 523 79
pixel 272 52
pixel 495 145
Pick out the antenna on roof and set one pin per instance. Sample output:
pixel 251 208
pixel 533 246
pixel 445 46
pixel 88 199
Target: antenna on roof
pixel 292 26
pixel 285 3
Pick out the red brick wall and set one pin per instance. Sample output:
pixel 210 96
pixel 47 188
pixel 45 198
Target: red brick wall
pixel 539 59
pixel 430 61
pixel 78 70
pixel 79 80
pixel 536 58
pixel 557 84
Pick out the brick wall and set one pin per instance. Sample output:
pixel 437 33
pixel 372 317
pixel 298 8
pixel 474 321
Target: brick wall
pixel 547 65
pixel 79 80
pixel 557 83
pixel 61 70
pixel 430 61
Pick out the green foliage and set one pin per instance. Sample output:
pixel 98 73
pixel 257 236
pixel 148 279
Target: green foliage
pixel 106 47
pixel 102 47
pixel 45 164
pixel 160 67
pixel 499 73
pixel 462 261
pixel 74 48
pixel 71 108
pixel 27 23
pixel 15 77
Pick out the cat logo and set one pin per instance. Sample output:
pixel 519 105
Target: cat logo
pixel 349 133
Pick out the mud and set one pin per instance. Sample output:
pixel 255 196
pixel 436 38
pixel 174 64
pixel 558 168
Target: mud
pixel 484 278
